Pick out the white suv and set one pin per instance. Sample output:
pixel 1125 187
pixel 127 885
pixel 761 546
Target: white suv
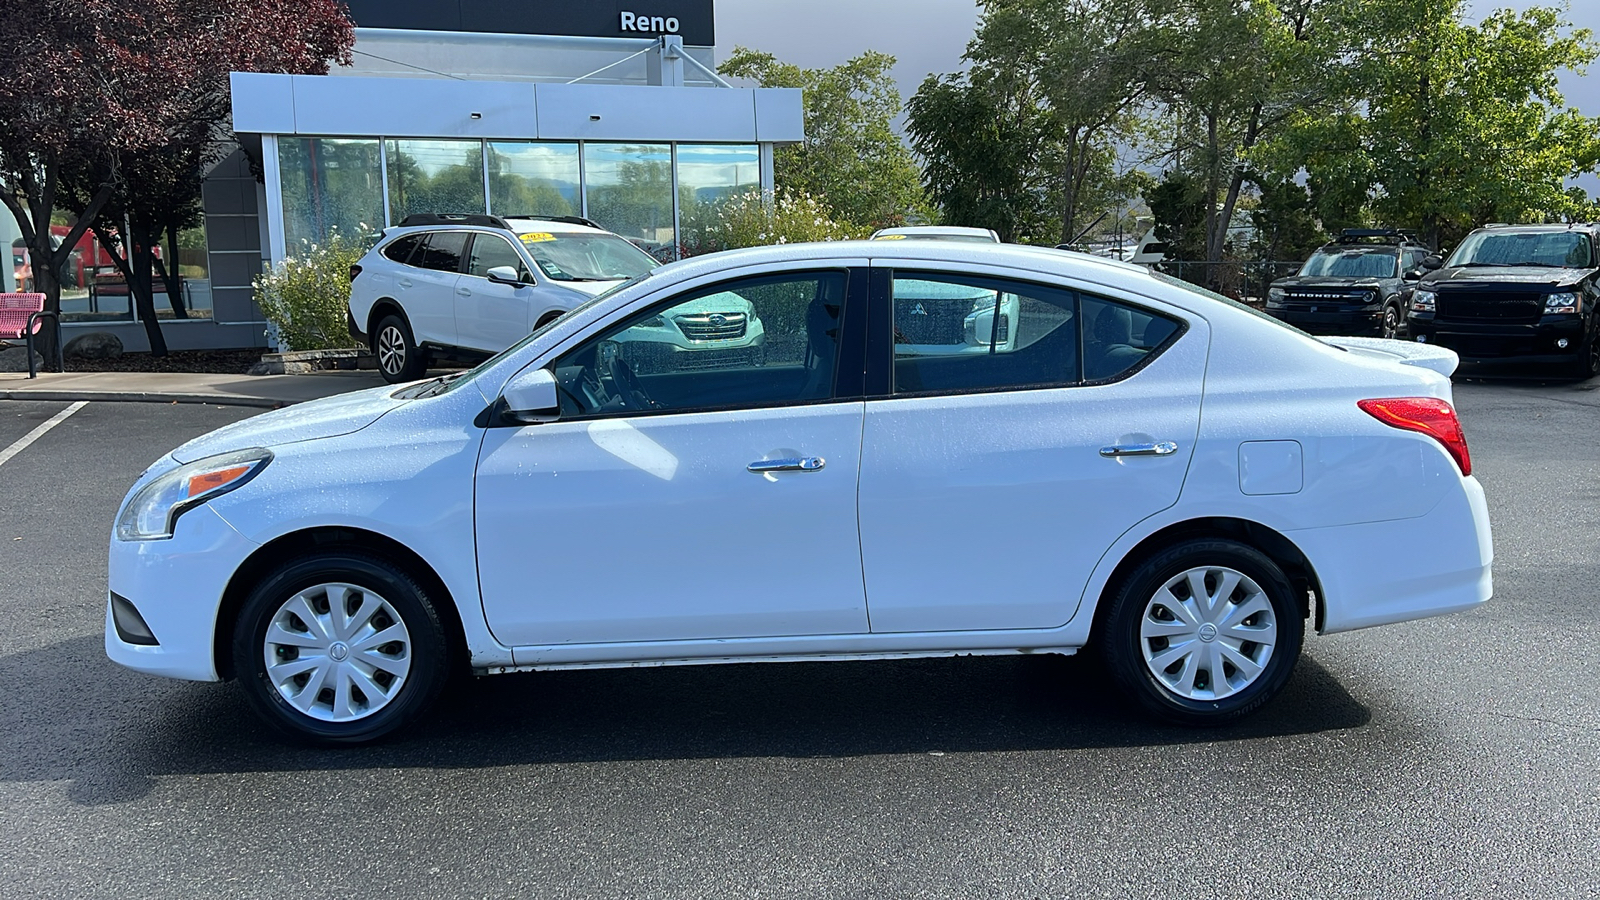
pixel 468 286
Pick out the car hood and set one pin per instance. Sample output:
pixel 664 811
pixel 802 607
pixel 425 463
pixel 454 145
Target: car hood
pixel 590 288
pixel 1327 281
pixel 1552 276
pixel 1407 353
pixel 329 417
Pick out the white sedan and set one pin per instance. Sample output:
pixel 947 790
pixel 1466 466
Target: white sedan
pixel 1137 464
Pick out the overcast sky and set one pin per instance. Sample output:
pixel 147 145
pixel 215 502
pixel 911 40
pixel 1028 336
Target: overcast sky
pixel 930 35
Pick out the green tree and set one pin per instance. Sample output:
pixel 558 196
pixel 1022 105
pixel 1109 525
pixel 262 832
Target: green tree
pixel 1460 124
pixel 982 143
pixel 1088 67
pixel 851 157
pixel 1242 73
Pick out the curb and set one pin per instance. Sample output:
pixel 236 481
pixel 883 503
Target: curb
pixel 145 397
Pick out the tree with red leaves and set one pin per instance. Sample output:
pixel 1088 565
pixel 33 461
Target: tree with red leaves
pixel 95 92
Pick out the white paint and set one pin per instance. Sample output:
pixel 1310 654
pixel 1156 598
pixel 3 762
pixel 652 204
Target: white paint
pixel 22 443
pixel 648 24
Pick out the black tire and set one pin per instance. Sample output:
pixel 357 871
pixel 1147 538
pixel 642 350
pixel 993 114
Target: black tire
pixel 399 357
pixel 1393 325
pixel 426 649
pixel 1123 647
pixel 1588 363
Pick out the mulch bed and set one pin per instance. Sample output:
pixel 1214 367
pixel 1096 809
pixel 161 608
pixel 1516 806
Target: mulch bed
pixel 214 362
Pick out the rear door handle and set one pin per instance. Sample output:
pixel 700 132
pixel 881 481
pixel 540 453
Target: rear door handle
pixel 403 282
pixel 794 464
pixel 1159 448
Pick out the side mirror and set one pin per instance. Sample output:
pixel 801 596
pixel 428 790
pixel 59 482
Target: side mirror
pixel 1432 261
pixel 530 397
pixel 1412 275
pixel 505 275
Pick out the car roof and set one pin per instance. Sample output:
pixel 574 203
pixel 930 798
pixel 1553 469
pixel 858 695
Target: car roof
pixel 1588 228
pixel 514 224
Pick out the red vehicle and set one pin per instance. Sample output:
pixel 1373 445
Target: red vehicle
pixel 87 259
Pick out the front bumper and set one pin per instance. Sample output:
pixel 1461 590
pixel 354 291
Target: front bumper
pixel 176 586
pixel 1332 318
pixel 1503 342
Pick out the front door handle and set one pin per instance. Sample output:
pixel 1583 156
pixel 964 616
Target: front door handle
pixel 793 464
pixel 463 292
pixel 1159 448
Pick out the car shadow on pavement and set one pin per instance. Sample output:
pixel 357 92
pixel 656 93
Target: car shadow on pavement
pixel 70 714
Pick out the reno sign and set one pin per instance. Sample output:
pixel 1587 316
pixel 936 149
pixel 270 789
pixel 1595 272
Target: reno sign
pixel 692 20
pixel 649 24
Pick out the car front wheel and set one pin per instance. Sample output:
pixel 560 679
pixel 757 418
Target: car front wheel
pixel 1204 632
pixel 340 648
pixel 1394 322
pixel 399 358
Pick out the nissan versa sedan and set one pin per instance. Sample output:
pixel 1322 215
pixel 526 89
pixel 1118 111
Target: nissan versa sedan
pixel 1137 465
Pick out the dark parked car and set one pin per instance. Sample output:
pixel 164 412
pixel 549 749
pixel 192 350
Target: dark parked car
pixel 1516 294
pixel 1358 284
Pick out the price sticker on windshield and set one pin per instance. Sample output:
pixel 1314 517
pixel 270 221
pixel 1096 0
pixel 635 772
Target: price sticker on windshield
pixel 536 237
pixel 890 237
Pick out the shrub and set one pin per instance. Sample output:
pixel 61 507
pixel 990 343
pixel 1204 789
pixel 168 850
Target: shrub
pixel 749 220
pixel 307 296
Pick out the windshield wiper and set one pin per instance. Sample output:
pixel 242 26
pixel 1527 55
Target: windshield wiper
pixel 437 386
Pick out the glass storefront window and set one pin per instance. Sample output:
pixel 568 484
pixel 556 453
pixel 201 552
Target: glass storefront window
pixel 534 179
pixel 708 175
pixel 629 189
pixel 329 183
pixel 435 177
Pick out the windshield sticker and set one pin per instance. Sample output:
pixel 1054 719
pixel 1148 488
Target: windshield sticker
pixel 890 237
pixel 536 237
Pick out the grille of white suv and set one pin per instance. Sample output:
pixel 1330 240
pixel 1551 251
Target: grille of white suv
pixel 712 326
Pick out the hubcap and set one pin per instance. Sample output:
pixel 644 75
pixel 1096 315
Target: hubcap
pixel 1391 323
pixel 391 350
pixel 1208 633
pixel 337 652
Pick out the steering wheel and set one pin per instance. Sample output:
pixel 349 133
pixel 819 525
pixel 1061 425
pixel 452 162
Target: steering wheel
pixel 628 383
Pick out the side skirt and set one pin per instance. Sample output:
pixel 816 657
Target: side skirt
pixel 776 658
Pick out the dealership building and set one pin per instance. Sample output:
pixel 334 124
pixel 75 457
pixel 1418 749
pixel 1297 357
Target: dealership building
pixel 611 110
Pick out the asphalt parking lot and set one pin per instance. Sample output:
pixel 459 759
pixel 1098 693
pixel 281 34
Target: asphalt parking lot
pixel 1457 757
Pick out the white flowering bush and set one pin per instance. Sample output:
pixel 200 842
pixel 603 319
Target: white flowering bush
pixel 751 220
pixel 307 296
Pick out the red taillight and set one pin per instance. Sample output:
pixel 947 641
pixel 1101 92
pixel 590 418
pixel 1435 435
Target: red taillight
pixel 1427 415
pixel 354 271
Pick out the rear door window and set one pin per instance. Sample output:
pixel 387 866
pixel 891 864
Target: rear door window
pixel 444 251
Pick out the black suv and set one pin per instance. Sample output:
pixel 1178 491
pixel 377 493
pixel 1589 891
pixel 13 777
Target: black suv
pixel 1358 284
pixel 1516 294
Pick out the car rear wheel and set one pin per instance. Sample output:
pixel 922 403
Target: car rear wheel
pixel 399 358
pixel 1204 632
pixel 340 648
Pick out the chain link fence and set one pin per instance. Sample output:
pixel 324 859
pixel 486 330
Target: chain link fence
pixel 1245 280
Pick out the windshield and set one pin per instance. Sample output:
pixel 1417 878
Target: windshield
pixel 570 256
pixel 1566 249
pixel 1352 262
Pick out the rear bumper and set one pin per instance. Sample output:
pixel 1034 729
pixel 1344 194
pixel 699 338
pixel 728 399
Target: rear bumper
pixel 1533 343
pixel 355 331
pixel 1378 573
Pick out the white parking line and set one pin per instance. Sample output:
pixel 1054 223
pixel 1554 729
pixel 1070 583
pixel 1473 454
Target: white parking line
pixel 23 442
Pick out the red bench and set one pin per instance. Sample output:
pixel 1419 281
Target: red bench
pixel 21 317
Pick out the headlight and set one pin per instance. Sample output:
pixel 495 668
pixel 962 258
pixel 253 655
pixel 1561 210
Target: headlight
pixel 1275 294
pixel 1563 303
pixel 153 512
pixel 1424 301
